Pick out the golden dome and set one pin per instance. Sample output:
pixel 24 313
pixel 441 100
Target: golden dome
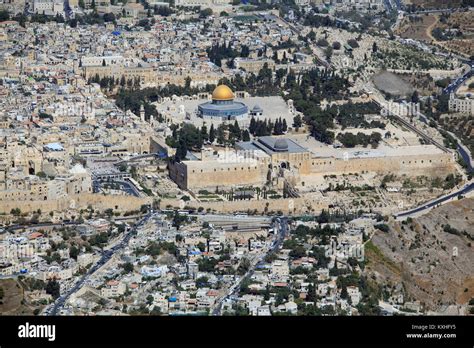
pixel 222 92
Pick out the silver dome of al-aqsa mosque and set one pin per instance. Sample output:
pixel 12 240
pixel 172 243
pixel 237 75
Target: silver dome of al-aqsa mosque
pixel 280 145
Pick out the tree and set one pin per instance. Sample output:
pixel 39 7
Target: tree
pixel 374 47
pixel 190 135
pixel 53 288
pixel 245 135
pixel 15 211
pixel 109 17
pixel 202 282
pixel 252 125
pixel 280 127
pixel 205 13
pixel 353 43
pixel 323 217
pixel 204 134
pixel 311 296
pixel 221 137
pixel 298 251
pixel 201 246
pixel 244 266
pixel 235 131
pixel 4 15
pixel 73 252
pixel 328 52
pixel 181 151
pixel 344 293
pixel 322 43
pixel 127 267
pixel 73 23
pixel 297 122
pixel 245 51
pixel 178 219
pixel 212 134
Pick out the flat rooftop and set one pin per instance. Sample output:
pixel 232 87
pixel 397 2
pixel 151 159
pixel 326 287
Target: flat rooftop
pixel 272 145
pixel 382 151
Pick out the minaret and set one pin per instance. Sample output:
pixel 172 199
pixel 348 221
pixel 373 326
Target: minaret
pixel 142 113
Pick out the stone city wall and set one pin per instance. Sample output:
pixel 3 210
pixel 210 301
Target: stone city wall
pixel 195 175
pixel 80 201
pixel 285 205
pixel 431 164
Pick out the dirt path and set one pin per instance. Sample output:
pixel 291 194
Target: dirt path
pixel 430 28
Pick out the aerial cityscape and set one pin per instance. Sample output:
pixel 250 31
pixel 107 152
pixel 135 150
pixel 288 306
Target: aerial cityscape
pixel 236 157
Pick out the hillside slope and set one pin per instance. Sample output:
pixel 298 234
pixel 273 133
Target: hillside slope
pixel 431 256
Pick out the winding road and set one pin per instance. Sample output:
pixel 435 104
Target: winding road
pixel 426 206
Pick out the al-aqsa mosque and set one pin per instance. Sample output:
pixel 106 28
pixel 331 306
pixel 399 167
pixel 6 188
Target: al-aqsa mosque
pixel 223 107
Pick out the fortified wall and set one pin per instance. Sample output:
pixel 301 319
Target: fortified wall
pixel 80 201
pixel 428 164
pixel 285 205
pixel 205 174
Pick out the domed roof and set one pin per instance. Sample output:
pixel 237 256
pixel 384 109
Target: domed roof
pixel 222 92
pixel 257 108
pixel 280 145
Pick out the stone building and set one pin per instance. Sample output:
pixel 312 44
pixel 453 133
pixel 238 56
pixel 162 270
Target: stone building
pixel 117 67
pixel 461 105
pixel 256 162
pixel 253 65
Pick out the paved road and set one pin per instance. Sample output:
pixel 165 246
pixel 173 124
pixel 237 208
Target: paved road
pixel 466 156
pixel 281 231
pixel 425 207
pixel 40 225
pixel 106 256
pixel 231 218
pixel 399 4
pixel 446 10
pixel 453 87
pixel 388 5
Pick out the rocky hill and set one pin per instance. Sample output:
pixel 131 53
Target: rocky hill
pixel 431 256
